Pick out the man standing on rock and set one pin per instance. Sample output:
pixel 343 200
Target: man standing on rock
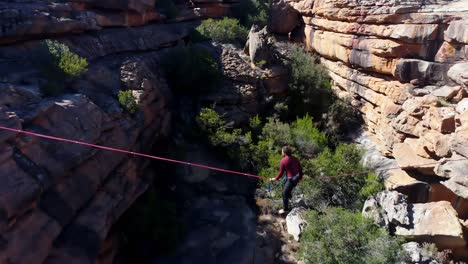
pixel 293 169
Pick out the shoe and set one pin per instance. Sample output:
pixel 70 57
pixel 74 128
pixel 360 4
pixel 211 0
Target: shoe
pixel 282 211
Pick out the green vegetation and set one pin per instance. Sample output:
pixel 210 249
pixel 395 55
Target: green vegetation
pixel 340 118
pixel 260 144
pixel 226 30
pixel 340 236
pixel 191 70
pixel 59 66
pixel 309 84
pixel 127 101
pixel 252 12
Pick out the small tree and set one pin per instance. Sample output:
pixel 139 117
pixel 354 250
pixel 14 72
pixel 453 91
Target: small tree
pixel 127 101
pixel 226 30
pixel 310 85
pixel 59 65
pixel 334 189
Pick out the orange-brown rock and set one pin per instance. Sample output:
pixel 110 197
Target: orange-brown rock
pixel 408 159
pixel 436 222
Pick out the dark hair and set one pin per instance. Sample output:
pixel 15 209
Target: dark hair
pixel 287 150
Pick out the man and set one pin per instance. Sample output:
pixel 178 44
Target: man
pixel 293 169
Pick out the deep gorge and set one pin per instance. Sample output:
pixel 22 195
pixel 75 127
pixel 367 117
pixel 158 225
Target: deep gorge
pixel 401 64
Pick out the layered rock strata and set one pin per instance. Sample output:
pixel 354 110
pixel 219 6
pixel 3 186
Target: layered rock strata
pixel 404 65
pixel 58 201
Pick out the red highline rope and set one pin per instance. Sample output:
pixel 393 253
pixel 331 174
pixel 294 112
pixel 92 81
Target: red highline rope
pixel 185 162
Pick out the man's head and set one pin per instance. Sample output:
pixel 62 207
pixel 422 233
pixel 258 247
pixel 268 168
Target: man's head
pixel 286 150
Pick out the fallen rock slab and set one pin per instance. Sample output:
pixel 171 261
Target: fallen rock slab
pixel 434 222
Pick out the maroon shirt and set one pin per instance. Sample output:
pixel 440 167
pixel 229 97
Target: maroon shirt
pixel 291 165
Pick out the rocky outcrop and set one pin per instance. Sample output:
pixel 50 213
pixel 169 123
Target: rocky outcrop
pixel 295 222
pixel 403 64
pixel 417 221
pixel 58 200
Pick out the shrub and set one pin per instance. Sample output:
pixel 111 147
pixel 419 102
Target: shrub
pixel 222 136
pixel 307 137
pixel 339 236
pixel 309 84
pixel 252 12
pixel 341 117
pixel 336 191
pixel 191 70
pixel 127 101
pixel 371 187
pixel 59 65
pixel 226 30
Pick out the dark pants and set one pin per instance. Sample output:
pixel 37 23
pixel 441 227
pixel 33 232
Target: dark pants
pixel 287 191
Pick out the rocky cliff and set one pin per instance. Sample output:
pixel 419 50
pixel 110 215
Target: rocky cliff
pixel 58 201
pixel 404 65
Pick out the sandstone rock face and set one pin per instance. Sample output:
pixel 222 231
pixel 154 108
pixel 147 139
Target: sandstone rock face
pixel 385 56
pixel 403 63
pixel 286 17
pixel 58 200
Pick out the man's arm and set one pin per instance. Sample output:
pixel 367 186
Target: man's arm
pixel 281 172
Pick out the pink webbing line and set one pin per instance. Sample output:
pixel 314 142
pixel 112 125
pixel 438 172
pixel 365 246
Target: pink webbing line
pixel 196 164
pixel 131 152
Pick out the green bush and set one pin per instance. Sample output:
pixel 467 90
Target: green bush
pixel 309 85
pixel 127 101
pixel 338 236
pixel 191 70
pixel 371 187
pixel 59 65
pixel 226 30
pixel 308 139
pixel 252 12
pixel 331 190
pixel 341 118
pixel 231 142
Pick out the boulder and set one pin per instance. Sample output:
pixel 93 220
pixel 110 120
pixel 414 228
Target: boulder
pixel 441 119
pixel 408 159
pixel 460 142
pixel 387 207
pixel 295 222
pixel 284 18
pixel 435 143
pixel 455 166
pixel 462 106
pixel 258 46
pixel 459 73
pixel 418 254
pixel 446 92
pixel 400 181
pixel 457 31
pixel 407 70
pixel 435 222
pixel 456 170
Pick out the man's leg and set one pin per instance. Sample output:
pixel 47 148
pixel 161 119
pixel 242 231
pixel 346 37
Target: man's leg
pixel 287 194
